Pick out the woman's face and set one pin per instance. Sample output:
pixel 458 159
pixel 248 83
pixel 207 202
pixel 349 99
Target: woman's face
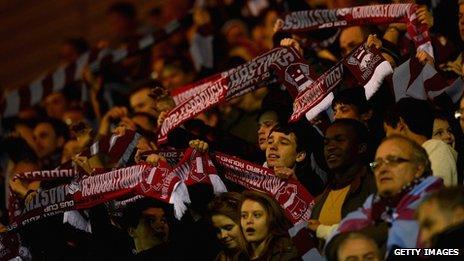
pixel 254 221
pixel 227 231
pixel 442 131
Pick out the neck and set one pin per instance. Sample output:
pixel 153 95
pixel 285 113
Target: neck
pixel 419 139
pixel 258 248
pixel 349 173
pixel 142 244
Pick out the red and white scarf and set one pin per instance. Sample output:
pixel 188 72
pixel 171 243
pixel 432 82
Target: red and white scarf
pixel 309 20
pixel 195 98
pixel 160 183
pixel 367 66
pixel 200 169
pixel 291 195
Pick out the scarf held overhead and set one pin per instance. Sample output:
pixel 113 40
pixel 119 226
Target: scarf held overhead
pixel 302 21
pixel 198 97
pixel 367 66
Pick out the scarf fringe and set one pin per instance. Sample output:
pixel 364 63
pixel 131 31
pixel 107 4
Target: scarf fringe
pixel 218 185
pixel 381 71
pixel 179 197
pixel 320 107
pixel 75 219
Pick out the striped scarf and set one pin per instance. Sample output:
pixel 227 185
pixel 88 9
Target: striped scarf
pixel 404 229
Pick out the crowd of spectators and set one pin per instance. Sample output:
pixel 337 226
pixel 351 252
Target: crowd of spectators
pixel 385 174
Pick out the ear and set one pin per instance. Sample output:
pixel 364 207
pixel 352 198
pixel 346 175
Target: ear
pixel 402 126
pixel 420 171
pixel 300 156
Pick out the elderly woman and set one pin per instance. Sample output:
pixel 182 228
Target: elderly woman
pixel 265 228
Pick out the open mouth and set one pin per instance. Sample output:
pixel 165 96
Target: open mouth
pixel 250 230
pixel 273 156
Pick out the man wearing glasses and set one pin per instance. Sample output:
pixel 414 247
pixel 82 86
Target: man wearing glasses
pixel 403 176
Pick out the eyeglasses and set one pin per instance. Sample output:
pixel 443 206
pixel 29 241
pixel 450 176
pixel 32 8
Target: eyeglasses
pixel 389 161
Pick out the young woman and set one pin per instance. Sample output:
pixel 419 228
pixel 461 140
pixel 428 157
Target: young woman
pixel 225 218
pixel 265 227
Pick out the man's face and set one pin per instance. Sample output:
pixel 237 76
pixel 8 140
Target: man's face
pixel 340 147
pixel 174 77
pixel 55 105
pixel 461 21
pixel 265 123
pixel 227 231
pixel 396 168
pixel 432 220
pixel 152 226
pixel 350 38
pixel 358 249
pixel 46 140
pixel 281 150
pixel 254 221
pixel 141 102
pixel 346 111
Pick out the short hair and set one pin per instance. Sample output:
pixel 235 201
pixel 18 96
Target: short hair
pixel 417 114
pixel 143 84
pixel 132 213
pixel 357 235
pixel 447 199
pixel 307 137
pixel 418 153
pixel 360 130
pixel 226 204
pixel 278 222
pixel 353 96
pixel 59 127
pixel 125 9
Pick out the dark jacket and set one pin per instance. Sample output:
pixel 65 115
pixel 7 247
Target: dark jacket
pixel 361 187
pixel 279 249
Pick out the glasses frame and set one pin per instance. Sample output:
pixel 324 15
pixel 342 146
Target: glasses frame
pixel 390 161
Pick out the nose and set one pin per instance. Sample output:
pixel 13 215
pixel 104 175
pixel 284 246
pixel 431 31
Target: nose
pixel 261 130
pixel 448 136
pixel 222 234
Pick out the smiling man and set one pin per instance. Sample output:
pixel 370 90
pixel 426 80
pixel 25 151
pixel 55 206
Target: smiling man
pixel 404 178
pixel 345 148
